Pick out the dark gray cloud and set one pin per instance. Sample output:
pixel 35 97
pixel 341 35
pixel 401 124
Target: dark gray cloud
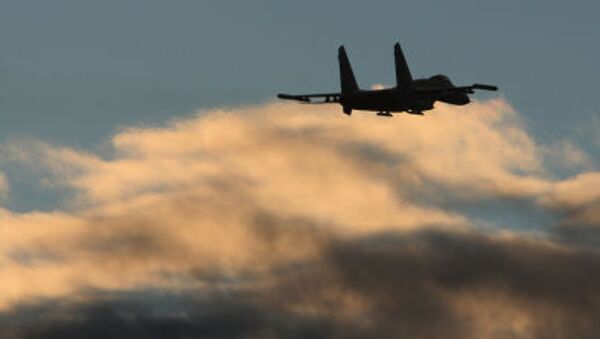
pixel 150 314
pixel 582 235
pixel 415 281
pixel 409 285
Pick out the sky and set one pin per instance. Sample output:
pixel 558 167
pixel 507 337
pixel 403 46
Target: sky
pixel 152 186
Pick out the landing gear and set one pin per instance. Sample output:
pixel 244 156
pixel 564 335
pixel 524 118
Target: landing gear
pixel 415 112
pixel 384 114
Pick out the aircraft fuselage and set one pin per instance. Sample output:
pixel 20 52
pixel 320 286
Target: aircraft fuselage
pixel 414 99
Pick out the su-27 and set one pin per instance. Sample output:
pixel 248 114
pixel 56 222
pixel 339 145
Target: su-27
pixel 411 96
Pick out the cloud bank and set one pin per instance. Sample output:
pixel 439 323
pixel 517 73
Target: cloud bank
pixel 293 221
pixel 4 187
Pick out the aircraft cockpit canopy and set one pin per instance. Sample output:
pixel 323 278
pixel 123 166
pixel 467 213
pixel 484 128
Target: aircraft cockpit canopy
pixel 441 77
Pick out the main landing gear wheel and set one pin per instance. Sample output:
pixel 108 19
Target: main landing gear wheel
pixel 384 114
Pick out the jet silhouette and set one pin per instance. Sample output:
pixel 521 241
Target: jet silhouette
pixel 411 96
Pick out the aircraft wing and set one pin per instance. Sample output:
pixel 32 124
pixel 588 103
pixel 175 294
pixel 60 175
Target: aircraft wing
pixel 464 89
pixel 472 88
pixel 319 98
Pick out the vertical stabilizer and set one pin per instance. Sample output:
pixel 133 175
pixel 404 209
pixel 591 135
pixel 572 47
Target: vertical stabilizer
pixel 346 75
pixel 403 77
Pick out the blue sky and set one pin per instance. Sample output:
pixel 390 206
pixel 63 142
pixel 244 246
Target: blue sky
pixel 73 72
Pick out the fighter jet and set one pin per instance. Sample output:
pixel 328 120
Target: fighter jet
pixel 410 96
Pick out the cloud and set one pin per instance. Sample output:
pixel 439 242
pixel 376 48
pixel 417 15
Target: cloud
pixel 574 192
pixel 379 86
pixel 4 187
pixel 577 201
pixel 415 283
pixel 302 220
pixel 565 155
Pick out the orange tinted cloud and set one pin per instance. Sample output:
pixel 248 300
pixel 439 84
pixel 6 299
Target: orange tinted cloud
pixel 252 189
pixel 4 187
